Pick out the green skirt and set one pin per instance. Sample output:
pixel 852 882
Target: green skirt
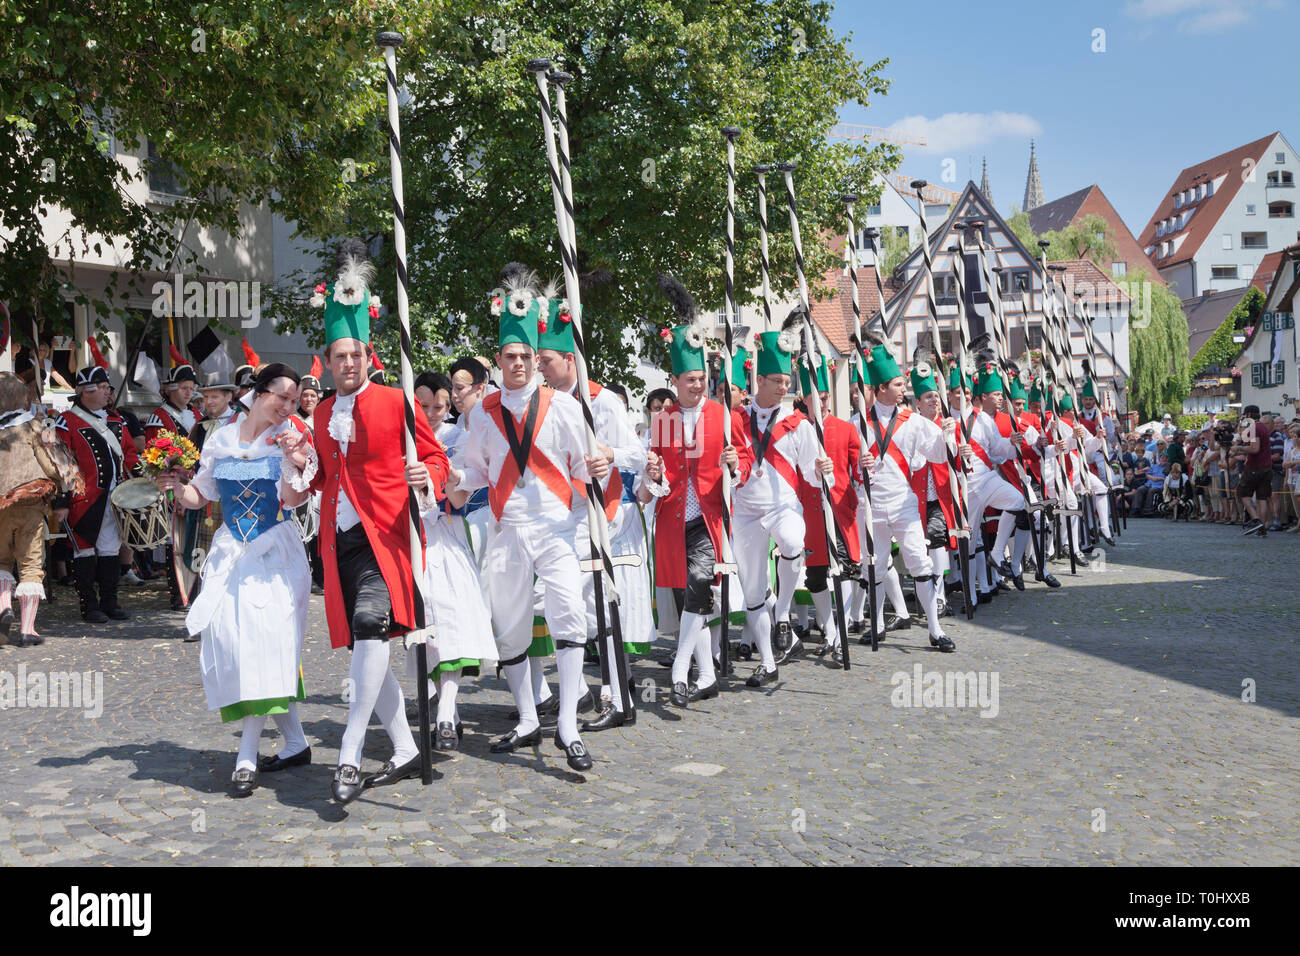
pixel 469 665
pixel 262 708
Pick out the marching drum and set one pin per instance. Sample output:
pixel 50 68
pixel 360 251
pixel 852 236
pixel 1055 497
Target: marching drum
pixel 142 513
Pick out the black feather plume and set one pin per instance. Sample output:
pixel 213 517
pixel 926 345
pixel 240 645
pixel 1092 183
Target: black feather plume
pixel 1087 369
pixel 794 321
pixel 683 302
pixel 981 350
pixel 516 275
pixel 594 278
pixel 925 351
pixel 349 251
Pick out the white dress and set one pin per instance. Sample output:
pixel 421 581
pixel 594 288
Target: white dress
pixel 252 608
pixel 453 597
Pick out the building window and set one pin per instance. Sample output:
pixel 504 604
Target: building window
pixel 1227 240
pixel 873 210
pixel 1254 240
pixel 1223 272
pixel 1281 210
pixel 1034 339
pixel 901 232
pixel 1118 269
pixel 945 290
pixel 1271 180
pixel 165 178
pixel 1267 374
pixel 1250 209
pixel 1279 158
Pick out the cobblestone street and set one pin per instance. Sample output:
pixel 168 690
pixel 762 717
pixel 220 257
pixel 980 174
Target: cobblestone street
pixel 1120 737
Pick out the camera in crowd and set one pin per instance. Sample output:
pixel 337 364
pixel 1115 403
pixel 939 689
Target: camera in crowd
pixel 1224 432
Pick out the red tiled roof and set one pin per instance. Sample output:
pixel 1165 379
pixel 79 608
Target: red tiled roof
pixel 1086 271
pixel 1208 210
pixel 1091 201
pixel 1265 271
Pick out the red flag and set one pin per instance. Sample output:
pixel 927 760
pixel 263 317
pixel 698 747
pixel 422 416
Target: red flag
pixel 316 367
pixel 177 357
pixel 96 353
pixel 251 357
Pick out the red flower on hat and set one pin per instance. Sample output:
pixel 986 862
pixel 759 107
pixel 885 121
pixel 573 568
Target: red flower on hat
pixel 666 334
pixel 320 288
pixel 565 317
pixel 748 365
pixel 541 326
pixel 374 311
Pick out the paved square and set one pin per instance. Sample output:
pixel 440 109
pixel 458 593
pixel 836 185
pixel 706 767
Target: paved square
pixel 1121 736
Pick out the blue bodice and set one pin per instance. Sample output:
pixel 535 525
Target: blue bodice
pixel 478 499
pixel 250 495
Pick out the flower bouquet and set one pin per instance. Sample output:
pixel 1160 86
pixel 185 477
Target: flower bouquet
pixel 168 451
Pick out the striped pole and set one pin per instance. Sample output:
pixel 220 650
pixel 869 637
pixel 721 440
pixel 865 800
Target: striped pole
pixel 872 235
pixel 761 170
pixel 600 565
pixel 726 562
pixel 390 40
pixel 956 464
pixel 855 339
pixel 834 570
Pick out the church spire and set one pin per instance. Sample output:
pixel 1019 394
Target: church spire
pixel 984 182
pixel 1033 185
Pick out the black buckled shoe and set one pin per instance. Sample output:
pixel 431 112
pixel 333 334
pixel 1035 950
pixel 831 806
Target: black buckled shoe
pixel 943 642
pixel 347 784
pixel 898 624
pixel 274 762
pixel 762 676
pixel 609 717
pixel 795 649
pixel 575 753
pixel 745 652
pixel 547 708
pixel 681 695
pixel 390 773
pixel 512 741
pixel 1049 579
pixel 585 703
pixel 708 693
pixel 243 783
pixel 1019 581
pixel 782 637
pixel 444 737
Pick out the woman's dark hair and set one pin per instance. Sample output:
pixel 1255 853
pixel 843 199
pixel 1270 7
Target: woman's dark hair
pixel 270 373
pixel 477 373
pixel 663 395
pixel 434 382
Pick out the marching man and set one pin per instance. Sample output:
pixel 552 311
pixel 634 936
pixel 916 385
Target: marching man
pixel 623 452
pixel 688 451
pixel 94 433
pixel 767 507
pixel 176 416
pixel 359 467
pixel 901 443
pixel 527 445
pixel 844 449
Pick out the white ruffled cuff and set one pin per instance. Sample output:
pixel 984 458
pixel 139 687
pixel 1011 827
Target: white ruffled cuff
pixel 299 480
pixel 426 499
pixel 658 488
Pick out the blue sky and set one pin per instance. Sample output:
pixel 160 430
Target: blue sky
pixel 1179 81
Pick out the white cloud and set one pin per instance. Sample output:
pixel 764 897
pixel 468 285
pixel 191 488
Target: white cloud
pixel 954 132
pixel 1198 16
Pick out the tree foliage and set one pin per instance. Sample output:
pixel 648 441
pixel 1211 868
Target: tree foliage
pixel 895 247
pixel 233 95
pixel 653 83
pixel 1219 350
pixel 1158 351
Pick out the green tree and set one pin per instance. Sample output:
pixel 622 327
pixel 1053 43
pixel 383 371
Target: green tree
pixel 894 248
pixel 1018 222
pixel 234 96
pixel 653 84
pixel 1090 238
pixel 1157 348
pixel 1219 350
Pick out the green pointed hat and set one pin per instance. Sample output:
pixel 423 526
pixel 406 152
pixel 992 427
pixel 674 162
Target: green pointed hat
pixel 987 379
pixel 741 363
pixel 958 377
pixel 1064 402
pixel 855 372
pixel 925 367
pixel 1035 394
pixel 347 301
pixel 1089 390
pixel 773 350
pixel 517 304
pixel 556 332
pixel 882 367
pixel 823 377
pixel 1016 383
pixel 685 348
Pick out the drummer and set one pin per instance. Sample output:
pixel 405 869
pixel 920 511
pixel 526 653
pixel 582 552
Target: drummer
pixel 176 416
pixel 94 433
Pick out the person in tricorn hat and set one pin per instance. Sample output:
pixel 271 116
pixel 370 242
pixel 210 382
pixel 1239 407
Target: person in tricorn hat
pixel 358 465
pixel 176 416
pixel 95 432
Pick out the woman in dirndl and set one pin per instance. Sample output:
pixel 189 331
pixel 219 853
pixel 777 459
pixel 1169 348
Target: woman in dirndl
pixel 252 610
pixel 453 597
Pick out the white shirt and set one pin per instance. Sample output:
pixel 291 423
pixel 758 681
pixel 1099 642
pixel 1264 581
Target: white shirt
pixel 984 430
pixel 340 429
pixel 763 492
pixel 561 437
pixel 691 418
pixel 918 440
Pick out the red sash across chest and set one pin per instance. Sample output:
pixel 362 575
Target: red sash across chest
pixel 780 464
pixel 537 463
pixel 893 451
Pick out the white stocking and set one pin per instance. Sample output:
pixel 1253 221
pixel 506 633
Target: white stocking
pixel 1018 550
pixel 448 684
pixel 250 734
pixel 572 686
pixel 787 577
pixel 522 691
pixel 894 591
pixel 541 690
pixel 390 708
pixel 926 594
pixel 290 727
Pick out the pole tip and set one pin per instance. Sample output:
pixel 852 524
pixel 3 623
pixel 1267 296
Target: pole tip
pixel 1056 268
pixel 731 132
pixel 1043 243
pixel 919 184
pixel 847 198
pixel 762 168
pixel 999 269
pixel 559 77
pixel 974 224
pixel 871 232
pixel 539 66
pixel 786 167
pixel 389 38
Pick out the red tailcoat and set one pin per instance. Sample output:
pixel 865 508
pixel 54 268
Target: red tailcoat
pixel 99 466
pixel 942 487
pixel 844 448
pixel 699 465
pixel 373 474
pixel 161 419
